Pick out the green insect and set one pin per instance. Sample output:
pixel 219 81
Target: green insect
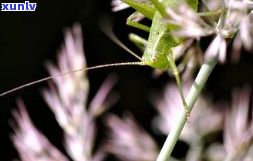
pixel 158 53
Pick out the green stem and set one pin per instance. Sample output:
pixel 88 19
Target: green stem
pixel 212 13
pixel 196 88
pixel 207 9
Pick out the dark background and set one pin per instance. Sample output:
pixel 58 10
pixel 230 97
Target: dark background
pixel 28 39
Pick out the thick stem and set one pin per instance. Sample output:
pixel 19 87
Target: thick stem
pixel 192 97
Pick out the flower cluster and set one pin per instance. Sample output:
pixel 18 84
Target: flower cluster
pixel 169 107
pixel 207 121
pixel 128 140
pixel 31 144
pixel 235 18
pixel 67 98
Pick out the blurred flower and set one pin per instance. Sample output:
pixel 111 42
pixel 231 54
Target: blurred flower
pixel 237 10
pixel 179 50
pixel 238 130
pixel 169 107
pixel 217 47
pixel 68 101
pixel 212 5
pixel 118 5
pixel 244 37
pixel 215 152
pixel 129 141
pixel 191 58
pixel 31 144
pixel 190 23
pixel 204 120
pixel 235 19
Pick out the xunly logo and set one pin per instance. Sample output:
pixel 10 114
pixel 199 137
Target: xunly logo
pixel 19 6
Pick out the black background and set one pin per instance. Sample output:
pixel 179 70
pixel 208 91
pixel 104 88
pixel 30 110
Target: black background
pixel 28 39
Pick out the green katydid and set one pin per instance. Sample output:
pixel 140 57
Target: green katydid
pixel 158 53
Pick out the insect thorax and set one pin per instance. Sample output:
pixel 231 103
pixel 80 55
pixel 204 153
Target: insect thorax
pixel 159 44
pixel 160 40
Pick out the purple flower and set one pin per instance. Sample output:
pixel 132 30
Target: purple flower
pixel 238 130
pixel 67 98
pixel 31 144
pixel 169 106
pixel 128 141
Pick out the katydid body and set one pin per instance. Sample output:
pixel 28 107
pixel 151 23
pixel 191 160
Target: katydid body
pixel 158 53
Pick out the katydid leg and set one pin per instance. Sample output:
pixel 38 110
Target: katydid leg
pixel 140 42
pixel 136 24
pixel 176 74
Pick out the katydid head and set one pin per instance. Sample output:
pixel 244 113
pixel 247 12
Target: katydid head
pixel 156 61
pixel 149 58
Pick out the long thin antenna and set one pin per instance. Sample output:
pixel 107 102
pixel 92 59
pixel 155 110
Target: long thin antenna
pixel 69 72
pixel 116 64
pixel 107 29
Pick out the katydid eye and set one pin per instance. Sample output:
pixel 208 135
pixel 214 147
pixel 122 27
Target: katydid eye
pixel 153 59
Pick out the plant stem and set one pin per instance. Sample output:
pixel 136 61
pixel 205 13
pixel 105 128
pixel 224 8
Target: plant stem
pixel 212 13
pixel 192 97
